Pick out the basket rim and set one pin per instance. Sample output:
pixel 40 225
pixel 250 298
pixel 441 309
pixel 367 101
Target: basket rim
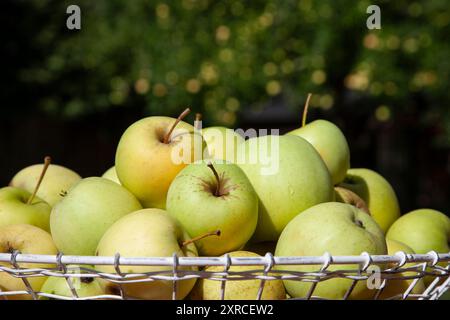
pixel 431 258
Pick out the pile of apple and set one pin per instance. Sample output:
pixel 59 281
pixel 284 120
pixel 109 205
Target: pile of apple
pixel 150 206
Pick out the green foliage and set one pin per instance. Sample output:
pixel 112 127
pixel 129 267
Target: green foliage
pixel 222 56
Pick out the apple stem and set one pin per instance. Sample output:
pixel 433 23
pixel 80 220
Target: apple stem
pixel 86 280
pixel 47 162
pixel 352 198
pixel 177 121
pixel 198 118
pixel 217 192
pixel 208 234
pixel 305 109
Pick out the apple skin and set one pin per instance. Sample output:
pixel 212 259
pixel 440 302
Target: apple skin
pixel 27 239
pixel 423 230
pixel 239 289
pixel 378 194
pixel 330 143
pixel 396 287
pixel 301 181
pixel 15 210
pixel 192 202
pixel 222 143
pixel 145 165
pixel 79 221
pixel 111 174
pixel 85 287
pixel 57 180
pixel 148 233
pixel 331 227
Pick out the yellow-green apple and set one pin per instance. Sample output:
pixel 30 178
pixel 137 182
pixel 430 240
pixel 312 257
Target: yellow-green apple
pixel 56 182
pixel 336 228
pixel 330 143
pixel 423 230
pixel 148 233
pixel 288 176
pixel 91 206
pixel 26 239
pixel 206 289
pixel 396 287
pixel 111 174
pixel 222 143
pixel 208 196
pixel 151 152
pixel 16 208
pixel 84 286
pixel 378 194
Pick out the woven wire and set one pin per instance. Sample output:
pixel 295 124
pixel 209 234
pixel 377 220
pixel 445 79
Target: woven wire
pixel 432 265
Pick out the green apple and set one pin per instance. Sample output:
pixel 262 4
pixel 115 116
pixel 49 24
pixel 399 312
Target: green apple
pixel 222 143
pixel 56 182
pixel 423 230
pixel 16 209
pixel 152 152
pixel 288 176
pixel 446 295
pixel 330 143
pixel 79 221
pixel 148 233
pixel 27 239
pixel 378 194
pixel 206 289
pixel 336 228
pixel 399 286
pixel 111 174
pixel 206 197
pixel 85 287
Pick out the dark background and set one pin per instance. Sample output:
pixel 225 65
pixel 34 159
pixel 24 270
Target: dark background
pixel 71 94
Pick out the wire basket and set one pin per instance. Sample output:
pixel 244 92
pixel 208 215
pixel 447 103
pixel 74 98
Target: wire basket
pixel 385 268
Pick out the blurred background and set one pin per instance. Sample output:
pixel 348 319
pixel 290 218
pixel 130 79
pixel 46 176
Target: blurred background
pixel 71 93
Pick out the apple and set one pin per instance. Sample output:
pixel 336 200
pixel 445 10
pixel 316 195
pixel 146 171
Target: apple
pixel 27 239
pixel 206 289
pixel 423 230
pixel 377 193
pixel 222 143
pixel 57 181
pixel 288 176
pixel 148 233
pixel 396 287
pixel 330 143
pixel 205 197
pixel 111 174
pixel 336 228
pixel 16 208
pixel 152 152
pixel 84 287
pixel 91 206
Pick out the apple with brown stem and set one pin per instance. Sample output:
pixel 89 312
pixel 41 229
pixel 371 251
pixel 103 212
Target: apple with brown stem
pixel 151 152
pixel 18 206
pixel 206 196
pixel 149 233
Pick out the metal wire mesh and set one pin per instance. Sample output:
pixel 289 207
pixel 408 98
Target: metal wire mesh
pixel 401 266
